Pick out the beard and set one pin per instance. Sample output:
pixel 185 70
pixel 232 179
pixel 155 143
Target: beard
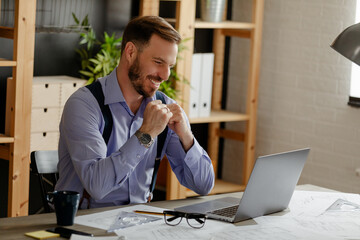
pixel 138 79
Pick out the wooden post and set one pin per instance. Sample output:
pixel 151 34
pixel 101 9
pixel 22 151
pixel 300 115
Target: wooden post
pixel 19 153
pixel 172 185
pixel 253 82
pixel 185 26
pixel 185 10
pixel 149 7
pixel 214 128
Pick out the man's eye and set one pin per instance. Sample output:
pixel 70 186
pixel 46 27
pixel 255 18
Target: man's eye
pixel 157 62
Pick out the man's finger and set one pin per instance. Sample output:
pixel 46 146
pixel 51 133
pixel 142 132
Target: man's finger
pixel 156 102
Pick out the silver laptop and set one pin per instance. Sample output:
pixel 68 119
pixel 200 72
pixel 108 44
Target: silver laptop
pixel 269 189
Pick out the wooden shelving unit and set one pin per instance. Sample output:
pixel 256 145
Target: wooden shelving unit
pixel 186 24
pixel 15 143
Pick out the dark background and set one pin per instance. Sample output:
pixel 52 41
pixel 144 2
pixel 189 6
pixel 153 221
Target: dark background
pixel 55 55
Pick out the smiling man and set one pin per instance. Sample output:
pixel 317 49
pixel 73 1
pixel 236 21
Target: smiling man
pixel 120 171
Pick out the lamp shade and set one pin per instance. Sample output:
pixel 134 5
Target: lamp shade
pixel 348 43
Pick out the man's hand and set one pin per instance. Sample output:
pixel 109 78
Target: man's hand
pixel 178 124
pixel 156 117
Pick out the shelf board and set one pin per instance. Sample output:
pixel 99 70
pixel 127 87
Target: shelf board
pixel 221 186
pixel 221 116
pixel 6 139
pixel 7 32
pixel 224 25
pixel 7 63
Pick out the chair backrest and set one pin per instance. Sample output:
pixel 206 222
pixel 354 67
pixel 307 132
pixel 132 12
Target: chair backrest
pixel 44 165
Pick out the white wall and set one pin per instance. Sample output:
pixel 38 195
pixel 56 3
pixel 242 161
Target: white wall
pixel 303 90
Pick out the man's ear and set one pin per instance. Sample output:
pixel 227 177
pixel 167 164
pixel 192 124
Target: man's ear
pixel 130 52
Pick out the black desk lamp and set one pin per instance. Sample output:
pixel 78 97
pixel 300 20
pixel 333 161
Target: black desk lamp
pixel 348 45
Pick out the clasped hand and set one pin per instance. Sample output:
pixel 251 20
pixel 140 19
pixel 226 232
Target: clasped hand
pixel 157 115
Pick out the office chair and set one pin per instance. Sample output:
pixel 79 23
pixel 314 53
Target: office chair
pixel 44 165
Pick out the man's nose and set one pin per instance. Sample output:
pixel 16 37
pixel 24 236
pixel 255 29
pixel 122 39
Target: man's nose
pixel 165 73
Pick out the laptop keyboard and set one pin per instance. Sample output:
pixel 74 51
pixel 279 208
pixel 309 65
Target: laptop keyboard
pixel 226 212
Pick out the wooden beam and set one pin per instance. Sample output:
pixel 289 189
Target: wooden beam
pixel 236 33
pixel 220 116
pixel 185 10
pixel 253 82
pixel 172 185
pixel 19 160
pixel 10 104
pixel 223 25
pixel 224 133
pixel 219 51
pixel 220 187
pixel 149 8
pixel 213 139
pixel 7 63
pixel 6 139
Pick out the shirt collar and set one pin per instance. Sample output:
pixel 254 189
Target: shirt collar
pixel 113 93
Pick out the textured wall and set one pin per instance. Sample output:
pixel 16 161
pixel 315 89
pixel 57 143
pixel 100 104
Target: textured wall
pixel 303 90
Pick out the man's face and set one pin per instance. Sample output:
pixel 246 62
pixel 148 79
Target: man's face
pixel 152 66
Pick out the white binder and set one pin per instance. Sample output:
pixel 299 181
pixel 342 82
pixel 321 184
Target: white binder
pixel 207 68
pixel 194 100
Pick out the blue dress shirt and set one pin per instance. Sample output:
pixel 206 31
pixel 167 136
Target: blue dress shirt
pixel 120 173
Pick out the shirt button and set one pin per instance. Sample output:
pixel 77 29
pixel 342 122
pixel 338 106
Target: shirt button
pixel 138 156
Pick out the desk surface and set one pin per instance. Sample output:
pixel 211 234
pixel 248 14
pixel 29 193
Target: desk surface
pixel 14 228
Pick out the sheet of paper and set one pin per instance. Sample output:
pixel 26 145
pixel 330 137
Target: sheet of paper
pixel 160 230
pixel 270 231
pixel 104 220
pixel 343 228
pixel 214 230
pixel 310 203
pixel 310 211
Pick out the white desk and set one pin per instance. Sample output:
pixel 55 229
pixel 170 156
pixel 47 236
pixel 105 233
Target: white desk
pixel 14 228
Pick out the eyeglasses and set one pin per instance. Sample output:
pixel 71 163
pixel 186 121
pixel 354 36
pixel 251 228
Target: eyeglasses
pixel 195 220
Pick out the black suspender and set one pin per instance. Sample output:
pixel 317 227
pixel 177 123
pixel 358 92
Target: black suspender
pixel 96 89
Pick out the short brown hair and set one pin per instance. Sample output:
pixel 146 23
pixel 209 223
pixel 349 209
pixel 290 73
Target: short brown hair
pixel 139 31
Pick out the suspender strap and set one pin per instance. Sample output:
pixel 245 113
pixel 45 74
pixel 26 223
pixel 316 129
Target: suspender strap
pixel 96 89
pixel 160 145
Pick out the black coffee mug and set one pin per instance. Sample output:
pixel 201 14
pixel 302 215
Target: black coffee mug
pixel 66 204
